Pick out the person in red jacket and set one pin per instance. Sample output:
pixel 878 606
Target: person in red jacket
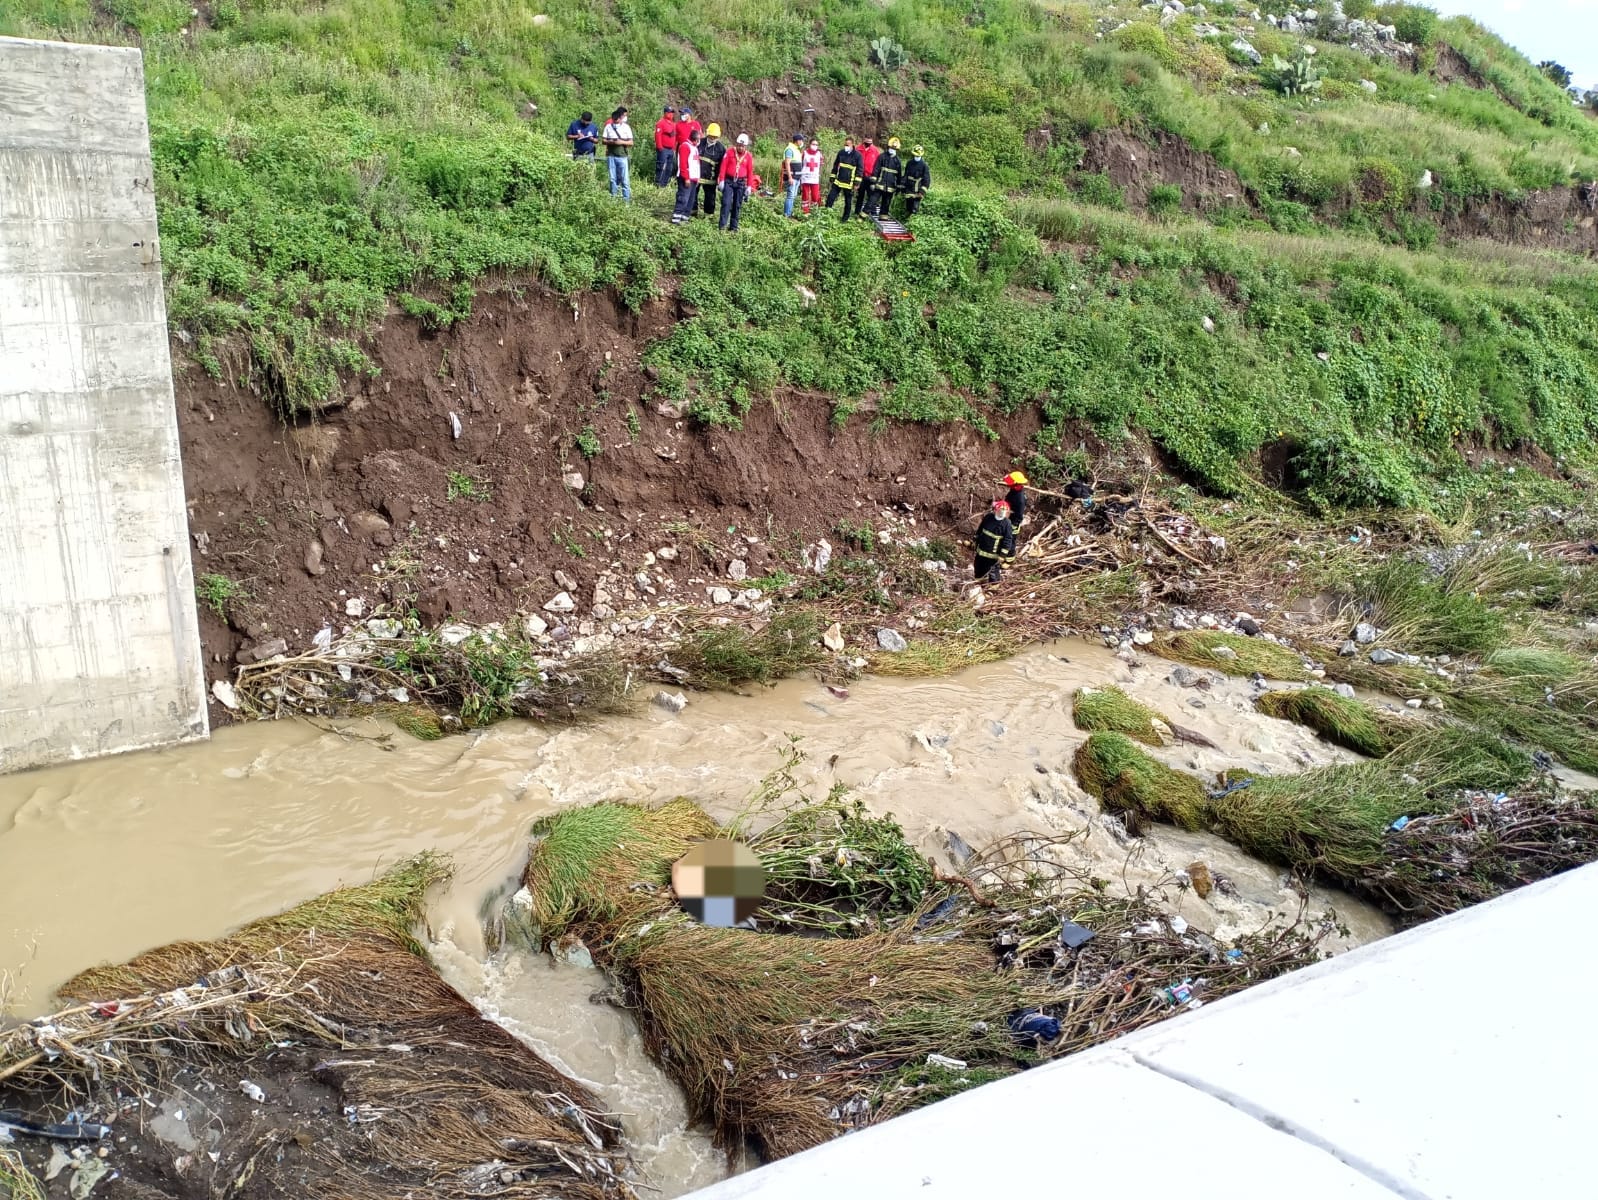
pixel 737 177
pixel 666 147
pixel 688 176
pixel 686 125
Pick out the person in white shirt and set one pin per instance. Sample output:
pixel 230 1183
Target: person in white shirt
pixel 810 176
pixel 618 139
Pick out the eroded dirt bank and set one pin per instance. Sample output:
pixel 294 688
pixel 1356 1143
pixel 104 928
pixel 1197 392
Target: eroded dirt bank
pixel 380 502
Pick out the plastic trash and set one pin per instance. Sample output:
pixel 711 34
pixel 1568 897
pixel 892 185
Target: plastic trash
pixel 943 1060
pixel 1399 824
pixel 1180 993
pixel 1073 935
pixel 71 1130
pixel 252 1090
pixel 1034 1027
pixel 1234 954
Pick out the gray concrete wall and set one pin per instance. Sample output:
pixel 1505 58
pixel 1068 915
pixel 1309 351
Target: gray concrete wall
pixel 99 642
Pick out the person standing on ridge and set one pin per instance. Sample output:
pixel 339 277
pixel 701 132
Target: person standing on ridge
pixel 1016 497
pixel 810 177
pixel 869 154
pixel 665 146
pixel 846 178
pixel 583 135
pixel 792 161
pixel 686 124
pixel 711 151
pixel 995 544
pixel 885 180
pixel 688 167
pixel 737 176
pixel 618 139
pixel 917 181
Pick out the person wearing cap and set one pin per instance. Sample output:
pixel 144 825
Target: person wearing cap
pixel 846 179
pixel 1016 497
pixel 883 182
pixel 792 161
pixel 686 124
pixel 737 176
pixel 688 170
pixel 583 135
pixel 810 177
pixel 916 183
pixel 869 153
pixel 618 138
pixel 995 543
pixel 711 151
pixel 665 146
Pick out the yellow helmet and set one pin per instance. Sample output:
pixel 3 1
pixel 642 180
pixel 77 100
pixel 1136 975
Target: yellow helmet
pixel 713 129
pixel 918 151
pixel 893 143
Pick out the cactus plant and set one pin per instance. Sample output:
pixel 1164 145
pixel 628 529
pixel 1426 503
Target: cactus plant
pixel 1296 77
pixel 887 53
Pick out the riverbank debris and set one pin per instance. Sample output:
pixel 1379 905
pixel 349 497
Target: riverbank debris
pixel 1350 723
pixel 1126 780
pixel 1109 709
pixel 328 1008
pixel 868 971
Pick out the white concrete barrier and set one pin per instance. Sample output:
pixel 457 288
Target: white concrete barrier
pixel 1457 1061
pixel 99 643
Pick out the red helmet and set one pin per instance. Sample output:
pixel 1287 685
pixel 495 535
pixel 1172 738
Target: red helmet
pixel 1001 507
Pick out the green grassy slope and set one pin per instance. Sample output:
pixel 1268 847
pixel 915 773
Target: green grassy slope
pixel 316 163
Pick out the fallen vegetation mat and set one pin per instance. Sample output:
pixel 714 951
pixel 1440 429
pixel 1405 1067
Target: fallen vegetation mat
pixel 1346 722
pixel 312 1053
pixel 1234 653
pixel 872 984
pixel 1109 709
pixel 1127 780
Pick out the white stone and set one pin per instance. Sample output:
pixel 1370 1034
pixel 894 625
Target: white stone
pixel 823 557
pixel 666 553
pixel 1209 325
pixel 225 695
pixel 832 639
pixel 565 582
pixel 454 635
pixel 573 480
pixel 561 603
pixel 1142 637
pixel 891 640
pixel 1368 85
pixel 720 595
pixel 671 701
pixel 354 606
pixel 383 627
pixel 737 570
pixel 1346 691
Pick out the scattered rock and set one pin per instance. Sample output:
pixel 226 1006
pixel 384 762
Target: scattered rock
pixel 891 641
pixel 535 625
pixel 1243 47
pixel 720 595
pixel 1248 625
pixel 561 603
pixel 1348 649
pixel 1413 703
pixel 1226 653
pixel 1199 875
pixel 1368 85
pixel 565 582
pixel 671 701
pixel 383 627
pixel 313 559
pixel 366 522
pixel 1345 690
pixel 573 480
pixel 354 606
pixel 666 553
pixel 1184 676
pixel 823 557
pixel 1382 656
pixel 225 695
pixel 262 651
pixel 1142 637
pixel 1209 325
pixel 454 635
pixel 1365 633
pixel 737 570
pixel 832 639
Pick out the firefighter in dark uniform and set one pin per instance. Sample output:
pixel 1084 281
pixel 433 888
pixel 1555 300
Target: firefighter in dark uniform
pixel 995 543
pixel 917 181
pixel 885 181
pixel 846 178
pixel 1016 497
pixel 711 151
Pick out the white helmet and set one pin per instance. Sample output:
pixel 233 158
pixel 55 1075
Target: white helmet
pixel 743 139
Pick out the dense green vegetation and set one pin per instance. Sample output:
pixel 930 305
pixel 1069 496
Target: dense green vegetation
pixel 315 164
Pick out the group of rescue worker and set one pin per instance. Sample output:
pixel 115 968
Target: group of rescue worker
pixel 704 168
pixel 995 538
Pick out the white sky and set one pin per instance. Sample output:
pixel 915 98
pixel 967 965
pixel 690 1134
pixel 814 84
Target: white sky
pixel 1563 30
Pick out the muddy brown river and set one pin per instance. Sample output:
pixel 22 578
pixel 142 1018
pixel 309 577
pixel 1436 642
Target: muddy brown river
pixel 101 860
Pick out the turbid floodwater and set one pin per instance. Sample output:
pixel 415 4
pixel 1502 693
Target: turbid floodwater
pixel 104 859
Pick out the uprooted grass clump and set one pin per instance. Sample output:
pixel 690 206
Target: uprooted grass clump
pixel 1342 721
pixel 333 993
pixel 1111 710
pixel 1233 653
pixel 785 1041
pixel 722 657
pixel 1544 699
pixel 955 638
pixel 1126 780
pixel 598 862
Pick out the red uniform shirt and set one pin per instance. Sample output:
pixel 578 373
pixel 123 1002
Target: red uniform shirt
pixel 868 158
pixel 683 129
pixel 738 164
pixel 665 134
